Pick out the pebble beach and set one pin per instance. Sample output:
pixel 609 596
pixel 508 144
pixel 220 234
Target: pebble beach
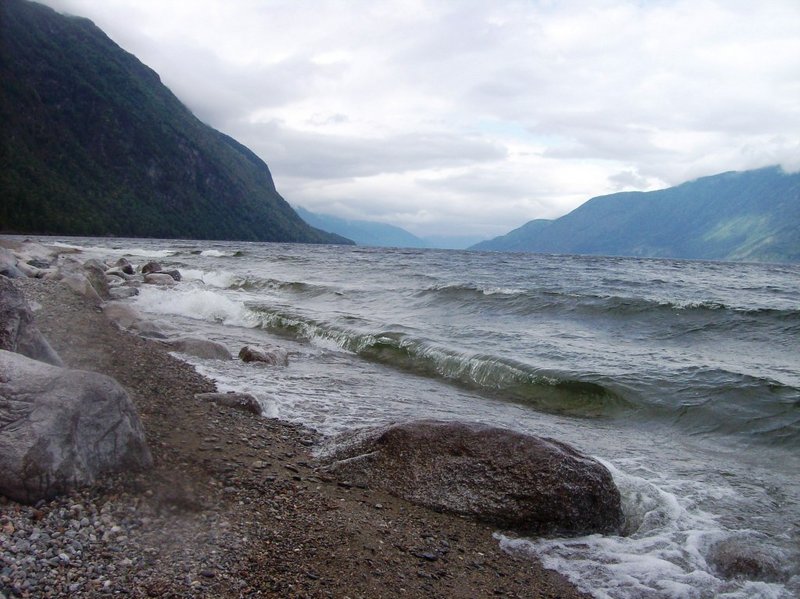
pixel 234 506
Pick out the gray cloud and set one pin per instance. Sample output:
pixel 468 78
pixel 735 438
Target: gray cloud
pixel 325 156
pixel 476 116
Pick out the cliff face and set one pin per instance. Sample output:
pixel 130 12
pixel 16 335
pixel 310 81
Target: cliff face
pixel 751 215
pixel 94 144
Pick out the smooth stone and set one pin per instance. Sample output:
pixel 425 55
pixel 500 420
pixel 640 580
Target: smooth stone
pixel 157 278
pixel 119 293
pixel 200 348
pixel 275 356
pixel 125 266
pixel 240 401
pixel 175 274
pixel 151 267
pixel 528 484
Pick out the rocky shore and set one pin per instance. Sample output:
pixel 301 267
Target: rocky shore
pixel 234 505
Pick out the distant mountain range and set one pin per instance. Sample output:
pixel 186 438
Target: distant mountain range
pixel 92 143
pixel 363 232
pixel 747 216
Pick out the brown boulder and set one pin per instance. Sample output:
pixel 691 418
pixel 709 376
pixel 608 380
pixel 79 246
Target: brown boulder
pixel 529 484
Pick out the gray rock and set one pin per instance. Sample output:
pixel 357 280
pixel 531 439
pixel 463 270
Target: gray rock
pixel 275 356
pixel 147 328
pixel 8 265
pixel 200 348
pixel 82 286
pixel 158 278
pixel 240 401
pixel 123 316
pixel 528 484
pixel 95 272
pixel 745 558
pixel 118 293
pixel 124 266
pixel 151 267
pixel 118 273
pixel 175 274
pixel 62 428
pixel 18 333
pixel 30 271
pixel 38 263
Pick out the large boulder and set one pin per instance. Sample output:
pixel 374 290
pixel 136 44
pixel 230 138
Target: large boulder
pixel 18 333
pixel 62 428
pixel 519 482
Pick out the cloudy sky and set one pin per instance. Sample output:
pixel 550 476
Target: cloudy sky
pixel 470 118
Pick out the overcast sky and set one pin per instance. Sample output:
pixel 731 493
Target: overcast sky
pixel 471 118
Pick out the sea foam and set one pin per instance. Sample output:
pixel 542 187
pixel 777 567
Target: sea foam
pixel 199 304
pixel 664 553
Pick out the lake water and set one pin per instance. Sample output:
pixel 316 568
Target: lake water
pixel 683 377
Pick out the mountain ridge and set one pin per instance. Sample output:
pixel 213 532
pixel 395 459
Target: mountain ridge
pixel 363 232
pixel 737 215
pixel 95 144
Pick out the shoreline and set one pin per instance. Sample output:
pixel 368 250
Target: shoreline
pixel 234 506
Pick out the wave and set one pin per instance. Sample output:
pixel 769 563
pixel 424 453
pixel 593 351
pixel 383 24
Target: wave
pixel 759 409
pixel 220 253
pixel 117 251
pixel 529 301
pixel 495 376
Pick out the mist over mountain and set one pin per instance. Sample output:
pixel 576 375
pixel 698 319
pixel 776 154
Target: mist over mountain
pixel 363 232
pixel 94 144
pixel 741 216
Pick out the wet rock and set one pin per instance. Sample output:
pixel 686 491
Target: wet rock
pixel 529 484
pixel 158 278
pixel 62 428
pixel 740 558
pixel 149 329
pixel 200 348
pixel 118 273
pixel 175 274
pixel 274 356
pixel 18 332
pixel 118 293
pixel 151 267
pixel 240 401
pixel 125 266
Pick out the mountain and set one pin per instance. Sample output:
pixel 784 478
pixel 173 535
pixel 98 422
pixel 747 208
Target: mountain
pixel 750 215
pixel 94 144
pixel 363 232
